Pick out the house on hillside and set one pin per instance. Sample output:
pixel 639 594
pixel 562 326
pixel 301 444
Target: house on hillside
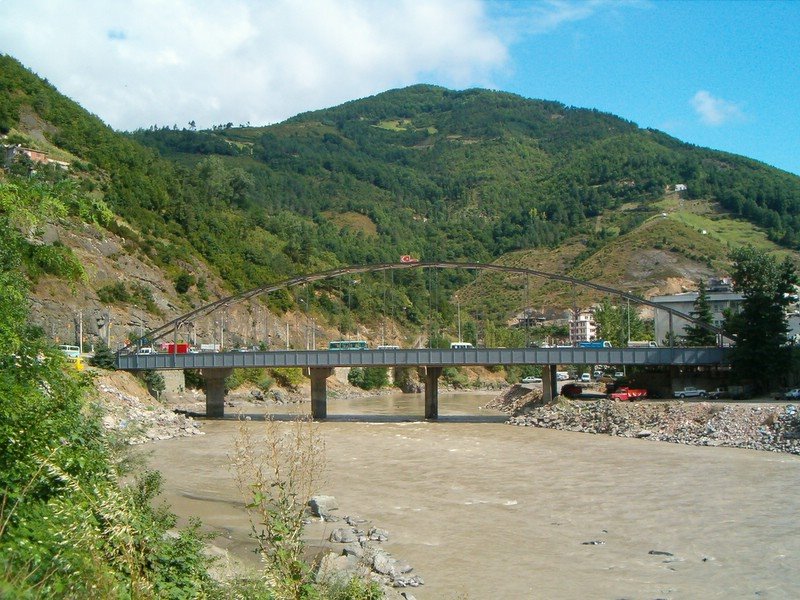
pixel 17 151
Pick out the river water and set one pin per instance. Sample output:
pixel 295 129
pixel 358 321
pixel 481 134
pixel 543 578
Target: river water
pixel 484 510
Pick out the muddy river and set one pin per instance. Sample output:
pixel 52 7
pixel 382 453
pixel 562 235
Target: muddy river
pixel 484 510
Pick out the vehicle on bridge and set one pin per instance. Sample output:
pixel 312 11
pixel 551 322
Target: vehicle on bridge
pixel 642 344
pixel 690 392
pixel 348 345
pixel 461 346
pixel 595 344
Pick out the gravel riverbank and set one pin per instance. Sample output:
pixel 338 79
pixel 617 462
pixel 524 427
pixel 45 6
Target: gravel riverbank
pixel 758 426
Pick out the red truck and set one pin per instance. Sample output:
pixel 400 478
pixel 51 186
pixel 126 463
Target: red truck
pixel 626 394
pixel 179 348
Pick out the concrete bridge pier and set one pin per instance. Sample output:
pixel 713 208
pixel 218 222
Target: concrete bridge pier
pixel 215 390
pixel 319 391
pixel 432 392
pixel 549 382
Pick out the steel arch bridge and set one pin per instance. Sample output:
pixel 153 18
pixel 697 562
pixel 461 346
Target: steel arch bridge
pixel 174 324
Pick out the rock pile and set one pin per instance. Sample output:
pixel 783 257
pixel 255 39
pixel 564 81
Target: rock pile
pixel 139 421
pixel 359 551
pixel 769 427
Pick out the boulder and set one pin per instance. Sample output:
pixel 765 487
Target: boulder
pixel 321 506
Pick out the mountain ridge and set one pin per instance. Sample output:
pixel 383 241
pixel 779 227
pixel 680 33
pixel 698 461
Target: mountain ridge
pixel 472 175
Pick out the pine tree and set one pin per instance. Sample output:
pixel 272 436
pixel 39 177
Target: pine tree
pixel 697 335
pixel 761 355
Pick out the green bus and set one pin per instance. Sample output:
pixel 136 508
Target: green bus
pixel 348 345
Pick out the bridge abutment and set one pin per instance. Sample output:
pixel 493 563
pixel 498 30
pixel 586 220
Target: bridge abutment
pixel 319 391
pixel 215 390
pixel 432 392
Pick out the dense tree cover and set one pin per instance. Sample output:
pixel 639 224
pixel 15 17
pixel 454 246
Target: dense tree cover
pixel 68 526
pixel 74 522
pixel 443 175
pixel 762 355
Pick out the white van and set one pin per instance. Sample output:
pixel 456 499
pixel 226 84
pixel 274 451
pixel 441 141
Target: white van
pixel 145 351
pixel 460 346
pixel 562 375
pixel 71 352
pixel 586 378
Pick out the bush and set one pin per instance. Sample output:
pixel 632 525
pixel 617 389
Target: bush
pixel 103 358
pixel 290 377
pixel 453 376
pixel 368 378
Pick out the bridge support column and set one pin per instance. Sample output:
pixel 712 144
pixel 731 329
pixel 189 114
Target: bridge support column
pixel 549 383
pixel 432 392
pixel 215 391
pixel 319 391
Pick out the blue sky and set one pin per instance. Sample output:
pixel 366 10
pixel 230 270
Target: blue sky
pixel 721 74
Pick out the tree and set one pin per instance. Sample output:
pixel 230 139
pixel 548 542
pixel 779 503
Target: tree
pixel 697 335
pixel 103 357
pixel 762 354
pixel 618 324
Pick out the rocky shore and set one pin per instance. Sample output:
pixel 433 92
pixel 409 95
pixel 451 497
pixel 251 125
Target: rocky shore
pixel 130 412
pixel 762 426
pixel 355 548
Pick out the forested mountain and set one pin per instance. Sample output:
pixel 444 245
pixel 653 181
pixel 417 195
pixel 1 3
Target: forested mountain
pixel 443 175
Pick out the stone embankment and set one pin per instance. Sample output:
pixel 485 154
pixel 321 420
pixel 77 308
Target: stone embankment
pixel 764 426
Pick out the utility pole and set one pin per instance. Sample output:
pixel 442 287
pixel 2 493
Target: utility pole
pixel 458 304
pixel 80 330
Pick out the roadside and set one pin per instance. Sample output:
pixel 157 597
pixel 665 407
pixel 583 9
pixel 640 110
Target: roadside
pixel 758 425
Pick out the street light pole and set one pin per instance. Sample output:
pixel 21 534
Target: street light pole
pixel 458 304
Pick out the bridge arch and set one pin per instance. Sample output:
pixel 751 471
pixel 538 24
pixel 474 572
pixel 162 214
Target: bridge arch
pixel 206 309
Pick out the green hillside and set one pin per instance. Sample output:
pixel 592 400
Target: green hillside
pixel 471 175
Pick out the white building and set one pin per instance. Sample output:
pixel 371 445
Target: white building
pixel 582 327
pixel 684 303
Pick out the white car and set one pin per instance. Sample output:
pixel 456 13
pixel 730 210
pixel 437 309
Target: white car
pixel 690 392
pixel 532 380
pixel 586 378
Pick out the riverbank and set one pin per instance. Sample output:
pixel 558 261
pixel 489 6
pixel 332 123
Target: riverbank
pixel 772 427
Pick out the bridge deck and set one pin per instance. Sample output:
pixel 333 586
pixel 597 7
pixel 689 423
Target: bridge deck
pixel 427 357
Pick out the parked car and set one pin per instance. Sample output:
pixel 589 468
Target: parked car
pixel 690 392
pixel 792 394
pixel 721 393
pixel 586 378
pixel 571 390
pixel 532 380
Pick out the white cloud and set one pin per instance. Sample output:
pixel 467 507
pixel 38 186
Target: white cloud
pixel 144 62
pixel 715 111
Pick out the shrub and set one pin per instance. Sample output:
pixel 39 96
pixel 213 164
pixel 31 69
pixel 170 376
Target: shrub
pixel 290 377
